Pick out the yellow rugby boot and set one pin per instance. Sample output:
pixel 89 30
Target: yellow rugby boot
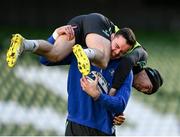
pixel 82 59
pixel 15 50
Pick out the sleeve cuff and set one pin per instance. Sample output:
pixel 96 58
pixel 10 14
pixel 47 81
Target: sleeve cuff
pixel 51 40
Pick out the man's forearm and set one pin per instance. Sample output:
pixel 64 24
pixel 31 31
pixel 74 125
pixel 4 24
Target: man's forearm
pixel 112 103
pixel 117 103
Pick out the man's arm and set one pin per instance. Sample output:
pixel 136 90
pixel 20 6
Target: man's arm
pixel 115 104
pixel 118 103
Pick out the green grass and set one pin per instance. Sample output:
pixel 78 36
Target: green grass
pixel 23 130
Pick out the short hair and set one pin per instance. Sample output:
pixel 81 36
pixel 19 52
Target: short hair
pixel 155 78
pixel 128 34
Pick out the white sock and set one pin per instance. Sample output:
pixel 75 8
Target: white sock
pixel 90 53
pixel 30 45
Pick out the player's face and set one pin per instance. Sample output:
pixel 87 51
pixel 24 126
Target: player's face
pixel 119 47
pixel 142 82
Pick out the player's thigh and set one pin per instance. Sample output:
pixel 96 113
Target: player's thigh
pixel 63 46
pixel 99 42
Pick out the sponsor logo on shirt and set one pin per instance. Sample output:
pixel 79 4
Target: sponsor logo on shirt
pixel 110 30
pixel 106 32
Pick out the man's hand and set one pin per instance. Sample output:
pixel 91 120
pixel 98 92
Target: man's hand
pixel 90 87
pixel 118 120
pixel 65 30
pixel 112 92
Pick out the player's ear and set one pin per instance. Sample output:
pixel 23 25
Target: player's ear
pixel 112 36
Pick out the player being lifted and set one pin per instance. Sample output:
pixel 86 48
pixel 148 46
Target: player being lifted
pixel 100 40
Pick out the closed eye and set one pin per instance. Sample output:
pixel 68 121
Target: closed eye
pixel 117 46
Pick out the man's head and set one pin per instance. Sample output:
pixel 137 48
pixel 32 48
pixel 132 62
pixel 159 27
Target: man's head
pixel 122 41
pixel 148 81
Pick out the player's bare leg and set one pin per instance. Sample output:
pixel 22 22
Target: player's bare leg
pixel 61 48
pixel 99 49
pixel 98 52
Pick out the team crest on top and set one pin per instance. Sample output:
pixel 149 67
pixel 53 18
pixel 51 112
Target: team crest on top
pixel 111 71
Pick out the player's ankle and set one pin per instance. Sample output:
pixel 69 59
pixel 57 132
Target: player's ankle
pixel 90 53
pixel 30 45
